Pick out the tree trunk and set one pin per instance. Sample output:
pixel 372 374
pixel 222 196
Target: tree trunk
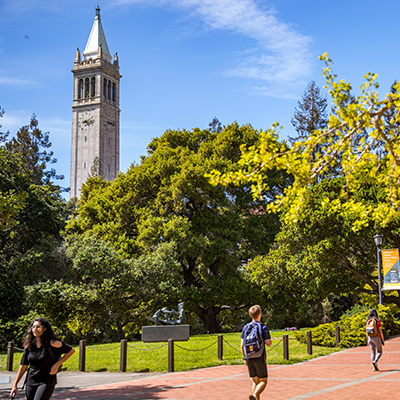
pixel 209 318
pixel 121 333
pixel 391 299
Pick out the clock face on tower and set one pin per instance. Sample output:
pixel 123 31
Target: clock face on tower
pixel 89 120
pixel 86 120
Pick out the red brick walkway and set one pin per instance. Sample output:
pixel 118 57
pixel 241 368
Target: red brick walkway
pixel 344 375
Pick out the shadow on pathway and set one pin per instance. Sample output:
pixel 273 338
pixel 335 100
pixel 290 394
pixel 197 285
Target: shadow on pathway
pixel 340 376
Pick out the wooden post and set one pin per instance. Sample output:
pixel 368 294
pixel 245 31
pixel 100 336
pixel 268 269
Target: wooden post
pixel 309 343
pixel 82 355
pixel 123 356
pixel 286 347
pixel 220 347
pixel 10 356
pixel 170 355
pixel 337 335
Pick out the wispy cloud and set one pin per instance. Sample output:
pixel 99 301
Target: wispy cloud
pixel 13 121
pixel 10 80
pixel 58 126
pixel 281 61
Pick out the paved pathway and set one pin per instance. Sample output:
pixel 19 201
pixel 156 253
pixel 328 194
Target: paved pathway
pixel 344 375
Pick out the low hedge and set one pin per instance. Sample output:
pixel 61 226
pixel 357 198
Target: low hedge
pixel 352 330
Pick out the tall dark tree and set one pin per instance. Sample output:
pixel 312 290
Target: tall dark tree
pixel 310 114
pixel 215 125
pixel 33 145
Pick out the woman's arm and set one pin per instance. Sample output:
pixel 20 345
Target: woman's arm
pixel 22 369
pixel 56 366
pixel 380 334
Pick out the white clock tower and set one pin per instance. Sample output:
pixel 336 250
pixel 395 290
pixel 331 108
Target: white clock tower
pixel 95 111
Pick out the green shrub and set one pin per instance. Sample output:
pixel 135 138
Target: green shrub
pixel 352 330
pixel 14 330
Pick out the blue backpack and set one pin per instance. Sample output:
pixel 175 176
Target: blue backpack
pixel 253 341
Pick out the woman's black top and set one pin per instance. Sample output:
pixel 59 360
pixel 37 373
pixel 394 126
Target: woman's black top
pixel 40 361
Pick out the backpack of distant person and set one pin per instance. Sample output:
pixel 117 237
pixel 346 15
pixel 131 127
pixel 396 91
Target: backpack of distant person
pixel 372 328
pixel 253 341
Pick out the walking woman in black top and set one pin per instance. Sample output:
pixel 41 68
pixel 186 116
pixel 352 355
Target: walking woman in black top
pixel 42 352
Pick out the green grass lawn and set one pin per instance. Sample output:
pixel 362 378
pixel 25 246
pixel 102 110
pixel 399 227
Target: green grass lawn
pixel 199 352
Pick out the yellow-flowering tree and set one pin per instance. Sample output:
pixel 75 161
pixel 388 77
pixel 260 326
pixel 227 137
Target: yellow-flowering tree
pixel 359 141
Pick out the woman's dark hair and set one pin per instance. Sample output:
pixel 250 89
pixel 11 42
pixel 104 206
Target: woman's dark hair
pixel 372 314
pixel 47 336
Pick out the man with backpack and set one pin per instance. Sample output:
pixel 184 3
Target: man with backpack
pixel 255 336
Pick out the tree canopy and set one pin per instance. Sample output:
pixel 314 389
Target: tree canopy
pixel 31 219
pixel 167 198
pixel 321 254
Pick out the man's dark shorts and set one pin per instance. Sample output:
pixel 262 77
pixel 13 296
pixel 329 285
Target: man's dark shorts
pixel 257 367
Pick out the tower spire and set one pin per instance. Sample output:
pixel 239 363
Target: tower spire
pixel 96 38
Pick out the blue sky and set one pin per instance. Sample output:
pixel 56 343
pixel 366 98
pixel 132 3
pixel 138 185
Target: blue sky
pixel 185 61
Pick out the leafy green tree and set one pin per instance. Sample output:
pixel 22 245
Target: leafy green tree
pixel 31 245
pixel 31 217
pixel 105 292
pixel 322 255
pixel 167 198
pixel 29 235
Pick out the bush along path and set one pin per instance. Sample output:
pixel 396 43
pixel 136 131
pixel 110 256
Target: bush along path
pixel 352 330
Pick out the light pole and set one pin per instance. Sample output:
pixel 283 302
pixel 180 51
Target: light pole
pixel 378 241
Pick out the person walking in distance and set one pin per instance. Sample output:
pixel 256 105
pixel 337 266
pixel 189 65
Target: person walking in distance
pixel 255 336
pixel 375 338
pixel 42 353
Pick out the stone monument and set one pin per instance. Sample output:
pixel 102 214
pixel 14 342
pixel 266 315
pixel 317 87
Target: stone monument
pixel 168 325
